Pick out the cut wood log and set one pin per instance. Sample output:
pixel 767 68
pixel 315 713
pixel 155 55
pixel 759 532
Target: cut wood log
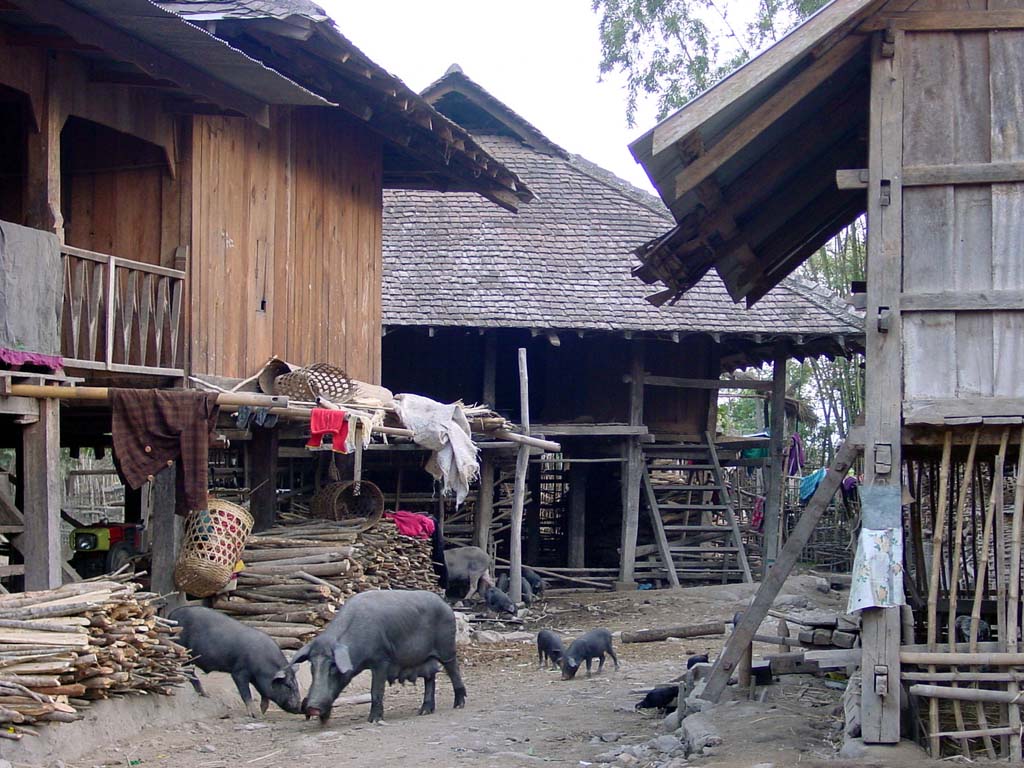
pixel 710 629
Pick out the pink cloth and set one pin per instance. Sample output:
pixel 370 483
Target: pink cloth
pixel 412 524
pixel 19 357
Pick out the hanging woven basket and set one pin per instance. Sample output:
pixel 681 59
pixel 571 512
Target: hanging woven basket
pixel 213 541
pixel 360 504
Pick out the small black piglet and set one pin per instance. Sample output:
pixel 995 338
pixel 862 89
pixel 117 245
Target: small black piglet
pixel 663 698
pixel 499 602
pixel 549 648
pixel 593 644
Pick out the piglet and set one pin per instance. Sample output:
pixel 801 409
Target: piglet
pixel 662 698
pixel 221 644
pixel 499 602
pixel 593 644
pixel 527 590
pixel 549 648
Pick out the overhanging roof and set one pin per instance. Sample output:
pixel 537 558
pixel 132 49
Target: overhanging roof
pixel 168 48
pixel 748 167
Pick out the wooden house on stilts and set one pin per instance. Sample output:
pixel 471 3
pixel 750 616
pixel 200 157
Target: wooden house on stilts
pixel 624 386
pixel 908 111
pixel 211 176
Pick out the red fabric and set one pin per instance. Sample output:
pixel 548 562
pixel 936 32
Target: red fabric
pixel 327 421
pixel 757 518
pixel 412 524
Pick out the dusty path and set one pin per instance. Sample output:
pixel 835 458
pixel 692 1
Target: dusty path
pixel 516 715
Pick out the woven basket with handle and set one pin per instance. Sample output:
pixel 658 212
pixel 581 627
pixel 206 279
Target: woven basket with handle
pixel 318 379
pixel 214 539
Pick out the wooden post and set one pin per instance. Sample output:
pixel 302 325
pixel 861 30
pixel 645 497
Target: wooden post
pixel 880 713
pixel 167 529
pixel 519 493
pixel 633 456
pixel 484 512
pixel 743 633
pixel 776 442
pixel 41 542
pixel 262 466
pixel 42 177
pixel 490 368
pixel 577 515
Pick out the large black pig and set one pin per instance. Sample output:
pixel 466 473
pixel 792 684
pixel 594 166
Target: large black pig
pixel 397 635
pixel 468 567
pixel 221 644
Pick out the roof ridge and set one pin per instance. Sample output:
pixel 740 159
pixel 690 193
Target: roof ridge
pixel 618 184
pixel 821 296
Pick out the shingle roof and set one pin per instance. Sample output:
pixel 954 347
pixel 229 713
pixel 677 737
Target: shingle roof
pixel 564 262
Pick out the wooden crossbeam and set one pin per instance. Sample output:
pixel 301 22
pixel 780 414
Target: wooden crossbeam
pixel 945 21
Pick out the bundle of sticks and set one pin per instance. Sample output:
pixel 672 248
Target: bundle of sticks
pixel 298 575
pixel 61 649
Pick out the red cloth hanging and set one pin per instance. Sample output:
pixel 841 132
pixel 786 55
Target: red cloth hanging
pixel 327 421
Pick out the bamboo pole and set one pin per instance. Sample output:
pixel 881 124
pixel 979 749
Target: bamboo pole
pixel 933 582
pixel 103 393
pixel 981 571
pixel 954 583
pixel 936 692
pixel 1013 604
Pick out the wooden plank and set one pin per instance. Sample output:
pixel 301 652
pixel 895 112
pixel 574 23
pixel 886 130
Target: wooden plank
pixel 757 121
pixel 519 490
pixel 854 178
pixel 963 301
pixel 730 514
pixel 590 429
pixel 936 411
pixel 880 637
pixel 964 173
pixel 167 530
pixel 797 44
pixel 42 170
pixel 632 468
pixel 41 542
pixel 659 529
pixel 945 21
pixel 744 632
pixel 262 454
pixel 683 383
pixel 775 468
pixel 577 514
pixel 483 514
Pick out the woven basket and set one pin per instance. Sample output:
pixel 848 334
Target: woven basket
pixel 340 502
pixel 321 379
pixel 213 541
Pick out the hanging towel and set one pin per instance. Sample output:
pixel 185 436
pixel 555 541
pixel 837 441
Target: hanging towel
pixel 444 430
pixel 809 484
pixel 412 524
pixel 795 460
pixel 327 421
pixel 877 576
pixel 153 429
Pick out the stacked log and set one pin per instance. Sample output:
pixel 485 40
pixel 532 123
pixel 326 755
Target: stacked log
pixel 298 575
pixel 61 649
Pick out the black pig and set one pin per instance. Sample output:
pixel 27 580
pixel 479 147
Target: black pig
pixel 499 602
pixel 662 698
pixel 221 644
pixel 549 648
pixel 593 644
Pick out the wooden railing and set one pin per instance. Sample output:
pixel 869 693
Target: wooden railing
pixel 121 315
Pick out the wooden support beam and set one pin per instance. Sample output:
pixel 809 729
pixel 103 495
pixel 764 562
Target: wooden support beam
pixel 262 470
pixel 631 465
pixel 484 512
pixel 167 529
pixel 577 514
pixel 744 632
pixel 945 21
pixel 490 368
pixel 777 435
pixel 758 121
pixel 519 489
pixel 41 542
pixel 682 383
pixel 88 29
pixel 963 301
pixel 42 173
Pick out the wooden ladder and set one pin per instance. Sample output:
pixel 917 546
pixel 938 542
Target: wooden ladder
pixel 690 515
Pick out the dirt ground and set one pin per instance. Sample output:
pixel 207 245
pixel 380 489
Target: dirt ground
pixel 518 715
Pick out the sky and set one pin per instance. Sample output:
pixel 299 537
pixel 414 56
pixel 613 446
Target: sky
pixel 539 57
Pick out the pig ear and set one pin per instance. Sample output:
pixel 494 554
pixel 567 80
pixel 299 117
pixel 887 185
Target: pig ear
pixel 341 659
pixel 300 656
pixel 282 674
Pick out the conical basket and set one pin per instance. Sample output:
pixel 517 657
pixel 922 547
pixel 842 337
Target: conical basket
pixel 213 540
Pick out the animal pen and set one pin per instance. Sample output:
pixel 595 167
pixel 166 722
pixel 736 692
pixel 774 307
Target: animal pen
pixel 908 112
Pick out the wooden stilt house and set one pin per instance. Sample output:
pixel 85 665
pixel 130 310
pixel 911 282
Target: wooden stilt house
pixel 624 386
pixel 908 111
pixel 213 204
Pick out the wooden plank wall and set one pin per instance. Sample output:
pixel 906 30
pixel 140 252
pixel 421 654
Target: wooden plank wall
pixel 962 105
pixel 286 249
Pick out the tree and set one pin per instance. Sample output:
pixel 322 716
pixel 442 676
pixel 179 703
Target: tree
pixel 675 49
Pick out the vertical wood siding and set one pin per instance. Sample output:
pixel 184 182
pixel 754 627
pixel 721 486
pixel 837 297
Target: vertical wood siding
pixel 286 244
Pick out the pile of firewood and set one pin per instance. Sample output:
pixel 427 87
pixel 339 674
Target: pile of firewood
pixel 297 576
pixel 61 649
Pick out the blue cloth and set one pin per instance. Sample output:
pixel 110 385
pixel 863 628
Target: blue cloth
pixel 809 484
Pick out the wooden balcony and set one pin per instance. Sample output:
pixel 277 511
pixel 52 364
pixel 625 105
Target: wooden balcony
pixel 122 316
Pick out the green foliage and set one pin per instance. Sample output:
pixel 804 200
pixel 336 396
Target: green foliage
pixel 675 49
